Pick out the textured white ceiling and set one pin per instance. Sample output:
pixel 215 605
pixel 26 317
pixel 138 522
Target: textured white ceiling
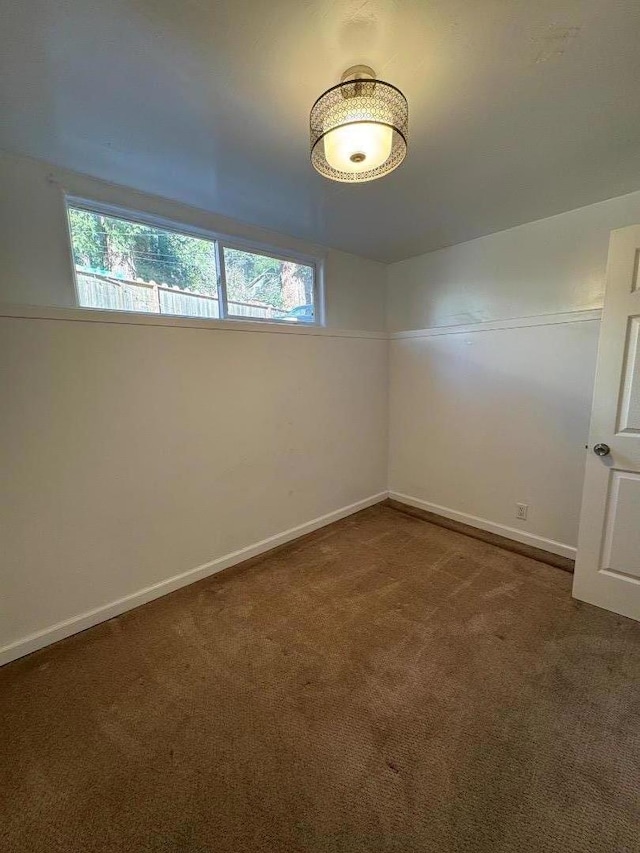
pixel 518 108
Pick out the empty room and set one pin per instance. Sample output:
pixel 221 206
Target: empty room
pixel 320 426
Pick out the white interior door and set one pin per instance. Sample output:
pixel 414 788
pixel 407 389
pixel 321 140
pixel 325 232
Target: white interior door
pixel 608 561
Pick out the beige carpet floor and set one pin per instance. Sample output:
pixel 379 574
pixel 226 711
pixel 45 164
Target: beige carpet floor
pixel 387 686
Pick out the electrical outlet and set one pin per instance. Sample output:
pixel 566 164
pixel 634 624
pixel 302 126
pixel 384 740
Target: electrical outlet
pixel 521 511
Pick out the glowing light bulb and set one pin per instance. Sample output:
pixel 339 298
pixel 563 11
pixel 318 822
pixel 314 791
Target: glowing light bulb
pixel 359 142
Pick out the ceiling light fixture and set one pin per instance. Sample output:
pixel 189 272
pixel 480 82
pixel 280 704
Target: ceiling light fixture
pixel 359 128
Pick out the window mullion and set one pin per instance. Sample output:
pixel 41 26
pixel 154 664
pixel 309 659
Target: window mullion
pixel 222 281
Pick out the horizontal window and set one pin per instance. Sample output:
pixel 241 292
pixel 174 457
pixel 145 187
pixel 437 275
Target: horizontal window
pixel 126 265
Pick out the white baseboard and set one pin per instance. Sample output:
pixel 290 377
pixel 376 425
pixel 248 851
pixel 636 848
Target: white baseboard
pixel 490 526
pixel 52 634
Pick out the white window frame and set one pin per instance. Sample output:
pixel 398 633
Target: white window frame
pixel 221 241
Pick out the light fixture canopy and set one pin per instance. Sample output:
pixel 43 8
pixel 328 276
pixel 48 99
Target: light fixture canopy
pixel 359 128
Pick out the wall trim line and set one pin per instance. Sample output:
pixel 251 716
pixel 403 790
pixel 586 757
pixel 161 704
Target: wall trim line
pixel 75 624
pixel 93 315
pixel 131 318
pixel 521 536
pixel 498 325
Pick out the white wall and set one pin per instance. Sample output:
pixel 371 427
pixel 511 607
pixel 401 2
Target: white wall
pixel 498 414
pixel 141 453
pixel 554 265
pixel 135 452
pixel 36 262
pixel 486 419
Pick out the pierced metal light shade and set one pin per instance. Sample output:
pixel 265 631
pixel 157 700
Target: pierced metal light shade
pixel 359 128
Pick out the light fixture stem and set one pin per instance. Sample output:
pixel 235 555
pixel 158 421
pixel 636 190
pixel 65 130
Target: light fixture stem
pixel 358 72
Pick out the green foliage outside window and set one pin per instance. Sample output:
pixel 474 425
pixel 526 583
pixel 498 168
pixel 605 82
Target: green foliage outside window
pixel 131 250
